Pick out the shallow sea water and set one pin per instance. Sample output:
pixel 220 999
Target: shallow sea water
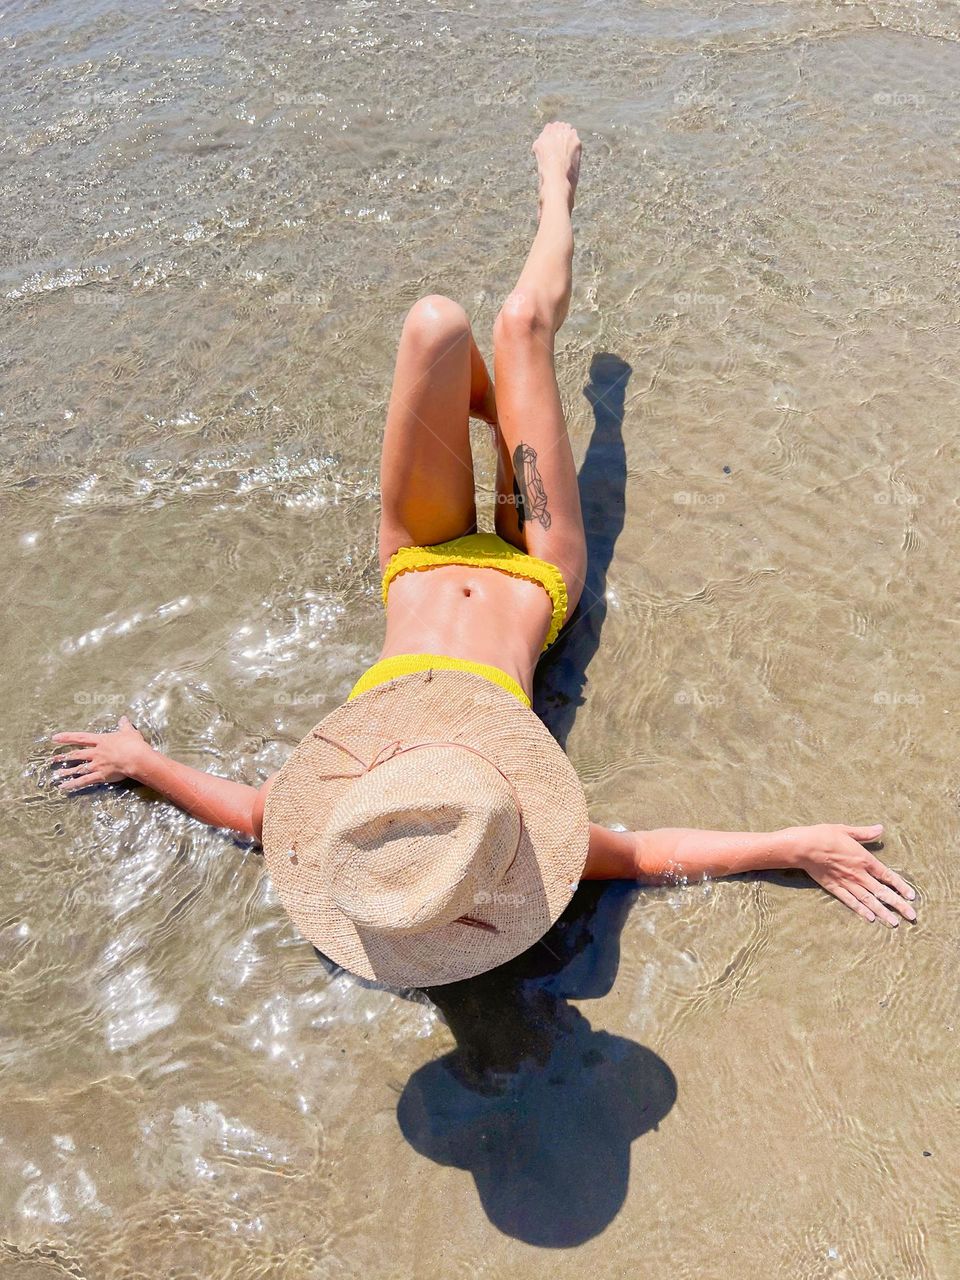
pixel 215 216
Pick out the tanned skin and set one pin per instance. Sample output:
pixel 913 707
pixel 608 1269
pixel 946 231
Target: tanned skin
pixel 427 493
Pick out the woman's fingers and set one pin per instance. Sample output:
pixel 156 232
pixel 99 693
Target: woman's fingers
pixel 885 885
pixel 872 903
pixel 880 872
pixel 85 780
pixel 883 893
pixel 848 900
pixel 873 900
pixel 72 757
pixel 77 768
pixel 78 739
pixel 866 835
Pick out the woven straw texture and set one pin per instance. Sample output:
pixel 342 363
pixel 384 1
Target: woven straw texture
pixel 374 868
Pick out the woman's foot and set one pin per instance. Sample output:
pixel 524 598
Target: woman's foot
pixel 558 161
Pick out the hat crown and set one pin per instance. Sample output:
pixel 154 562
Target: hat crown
pixel 355 744
pixel 412 842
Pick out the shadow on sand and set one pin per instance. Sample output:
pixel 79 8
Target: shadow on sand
pixel 562 674
pixel 539 1107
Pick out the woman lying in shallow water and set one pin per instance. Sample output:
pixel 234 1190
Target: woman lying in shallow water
pixel 431 828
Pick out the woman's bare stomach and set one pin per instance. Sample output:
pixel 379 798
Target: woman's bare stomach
pixel 462 611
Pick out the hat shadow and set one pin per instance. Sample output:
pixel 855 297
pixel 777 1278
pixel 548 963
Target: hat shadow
pixel 540 1108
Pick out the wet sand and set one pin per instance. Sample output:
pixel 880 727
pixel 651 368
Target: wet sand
pixel 216 215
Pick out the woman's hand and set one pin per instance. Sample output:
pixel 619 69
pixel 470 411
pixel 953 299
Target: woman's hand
pixel 834 856
pixel 100 757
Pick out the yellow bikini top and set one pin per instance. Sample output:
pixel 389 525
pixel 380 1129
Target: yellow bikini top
pixel 486 551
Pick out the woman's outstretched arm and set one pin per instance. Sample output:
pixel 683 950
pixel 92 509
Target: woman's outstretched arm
pixel 96 758
pixel 831 854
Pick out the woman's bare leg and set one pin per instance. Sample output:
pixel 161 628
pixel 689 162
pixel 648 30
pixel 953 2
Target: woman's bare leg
pixel 538 501
pixel 426 467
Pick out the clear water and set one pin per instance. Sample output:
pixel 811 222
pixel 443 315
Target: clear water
pixel 215 216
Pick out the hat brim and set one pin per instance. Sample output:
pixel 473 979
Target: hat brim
pixel 431 706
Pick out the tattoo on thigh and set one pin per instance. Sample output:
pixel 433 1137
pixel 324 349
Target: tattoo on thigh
pixel 528 490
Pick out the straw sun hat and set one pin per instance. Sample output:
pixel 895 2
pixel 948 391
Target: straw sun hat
pixel 426 831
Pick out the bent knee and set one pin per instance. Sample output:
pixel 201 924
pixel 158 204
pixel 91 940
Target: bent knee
pixel 523 314
pixel 436 321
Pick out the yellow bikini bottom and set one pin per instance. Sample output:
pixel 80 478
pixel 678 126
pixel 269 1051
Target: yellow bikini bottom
pixel 485 551
pixel 402 664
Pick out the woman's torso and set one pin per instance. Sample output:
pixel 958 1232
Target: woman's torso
pixel 480 614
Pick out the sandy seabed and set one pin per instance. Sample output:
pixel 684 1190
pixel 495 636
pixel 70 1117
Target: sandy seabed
pixel 215 216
